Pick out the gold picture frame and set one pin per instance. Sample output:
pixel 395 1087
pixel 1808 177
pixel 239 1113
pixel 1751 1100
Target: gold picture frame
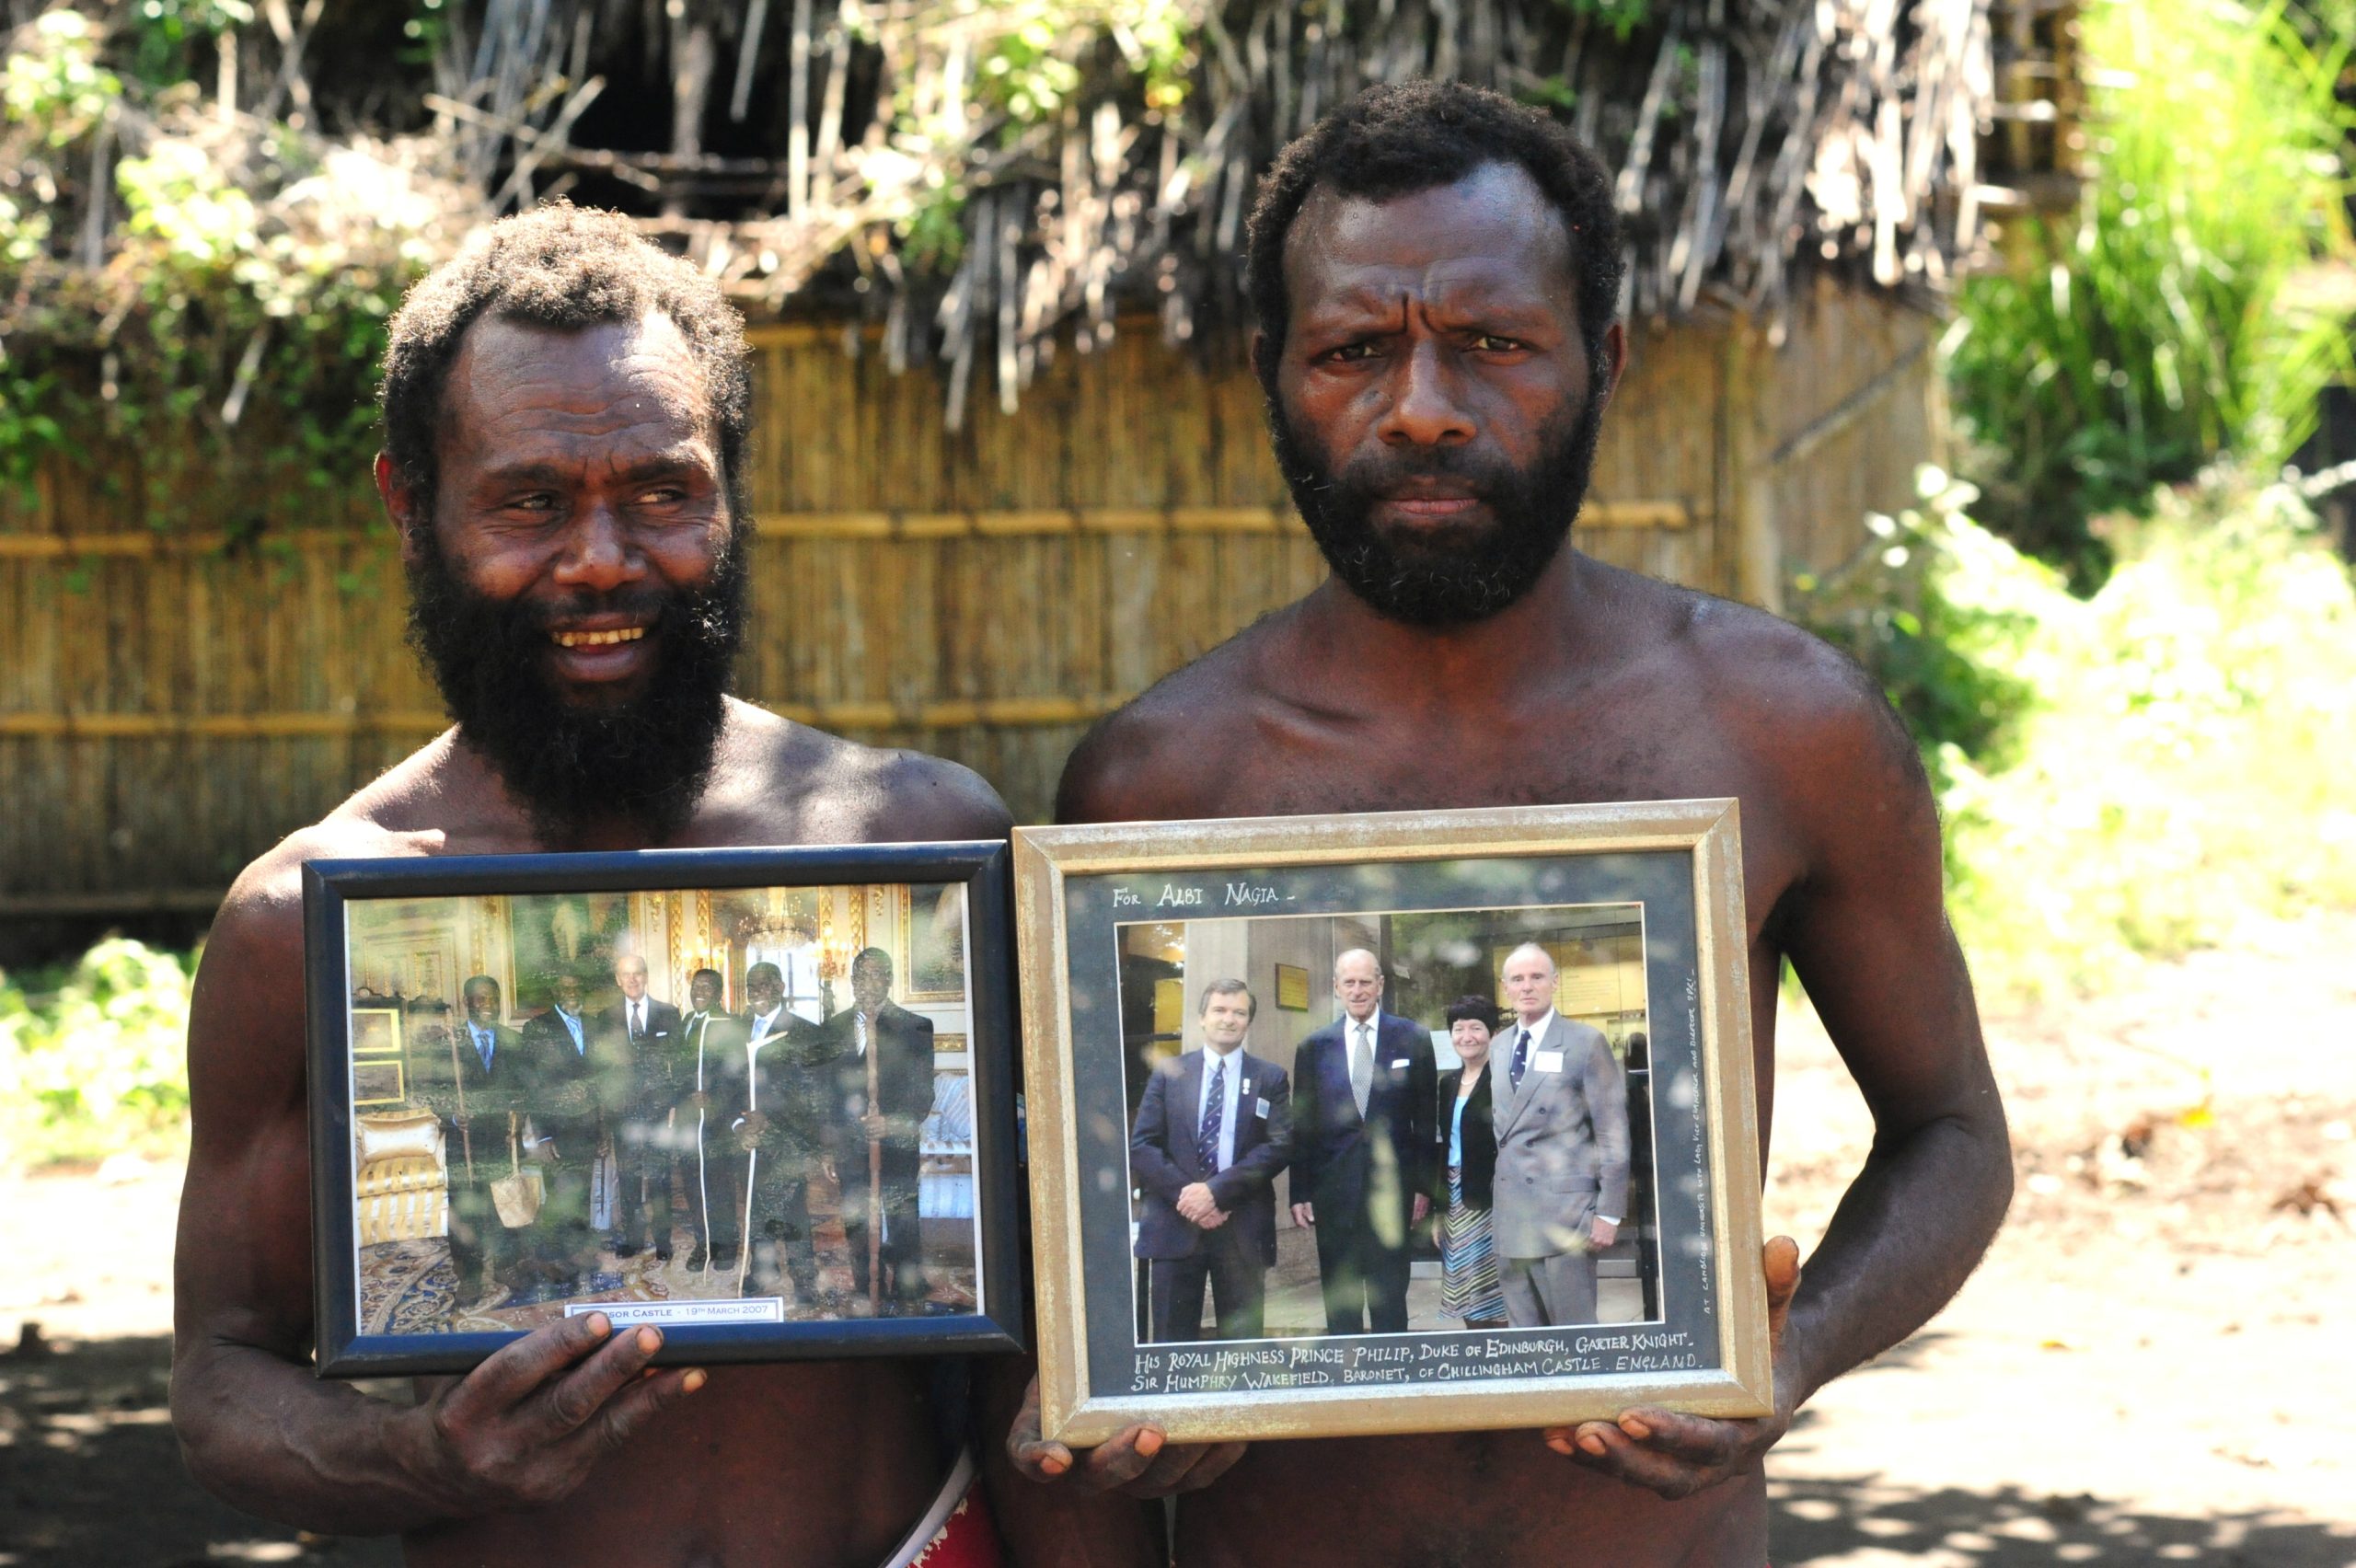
pixel 1701 1345
pixel 932 938
pixel 376 1032
pixel 378 1080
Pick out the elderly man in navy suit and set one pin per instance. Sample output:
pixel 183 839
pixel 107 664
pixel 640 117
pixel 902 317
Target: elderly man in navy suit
pixel 1212 1131
pixel 1561 1116
pixel 1364 1109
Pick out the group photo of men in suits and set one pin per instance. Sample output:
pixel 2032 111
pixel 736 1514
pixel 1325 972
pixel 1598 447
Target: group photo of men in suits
pixel 658 1148
pixel 1377 1170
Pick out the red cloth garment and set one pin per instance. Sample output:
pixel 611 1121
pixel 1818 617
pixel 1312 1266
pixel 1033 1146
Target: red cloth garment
pixel 957 1531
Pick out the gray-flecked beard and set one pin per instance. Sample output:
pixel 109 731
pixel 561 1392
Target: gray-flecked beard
pixel 1459 575
pixel 642 762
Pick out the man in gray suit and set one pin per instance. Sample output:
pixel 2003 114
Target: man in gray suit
pixel 1561 1123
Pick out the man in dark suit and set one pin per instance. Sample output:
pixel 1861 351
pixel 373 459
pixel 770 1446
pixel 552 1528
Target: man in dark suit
pixel 559 1093
pixel 646 1031
pixel 1212 1131
pixel 711 1038
pixel 1562 1178
pixel 769 1106
pixel 473 1089
pixel 874 1063
pixel 1363 1109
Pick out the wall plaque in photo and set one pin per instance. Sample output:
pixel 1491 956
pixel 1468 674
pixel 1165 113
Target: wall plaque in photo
pixel 1501 1172
pixel 739 1093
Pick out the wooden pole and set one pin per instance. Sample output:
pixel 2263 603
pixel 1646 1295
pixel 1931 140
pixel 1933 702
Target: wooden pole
pixel 874 1183
pixel 465 1138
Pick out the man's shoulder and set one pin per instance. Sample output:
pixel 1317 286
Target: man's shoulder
pixel 1806 734
pixel 1146 760
pixel 1324 1034
pixel 829 789
pixel 261 917
pixel 1781 687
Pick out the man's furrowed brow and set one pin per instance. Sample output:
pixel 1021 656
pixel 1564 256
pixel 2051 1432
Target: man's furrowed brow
pixel 687 458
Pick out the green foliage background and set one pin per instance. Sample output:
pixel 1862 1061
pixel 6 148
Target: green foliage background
pixel 92 1057
pixel 2141 771
pixel 2195 303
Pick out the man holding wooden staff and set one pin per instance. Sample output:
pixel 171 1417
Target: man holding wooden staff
pixel 876 1058
pixel 775 1123
pixel 476 1098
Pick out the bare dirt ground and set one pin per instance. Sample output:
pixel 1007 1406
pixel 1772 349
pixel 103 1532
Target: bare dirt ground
pixel 2150 1367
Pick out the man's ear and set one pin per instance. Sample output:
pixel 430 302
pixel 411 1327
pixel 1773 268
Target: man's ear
pixel 1263 357
pixel 1615 359
pixel 400 504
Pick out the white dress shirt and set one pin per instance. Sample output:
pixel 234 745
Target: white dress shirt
pixel 1233 1094
pixel 762 1024
pixel 1537 1032
pixel 1362 1034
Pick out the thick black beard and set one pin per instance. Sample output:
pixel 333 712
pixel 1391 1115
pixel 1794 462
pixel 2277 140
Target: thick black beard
pixel 642 762
pixel 1462 575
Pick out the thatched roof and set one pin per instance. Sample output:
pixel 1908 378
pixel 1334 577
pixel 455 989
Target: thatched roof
pixel 978 175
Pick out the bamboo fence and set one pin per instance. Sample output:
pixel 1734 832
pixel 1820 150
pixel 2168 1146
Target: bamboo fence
pixel 174 700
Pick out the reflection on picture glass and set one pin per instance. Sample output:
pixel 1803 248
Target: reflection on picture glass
pixel 1419 1137
pixel 740 1105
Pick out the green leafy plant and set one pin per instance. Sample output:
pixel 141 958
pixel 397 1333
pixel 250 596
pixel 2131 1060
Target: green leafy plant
pixel 93 1060
pixel 2138 771
pixel 2192 305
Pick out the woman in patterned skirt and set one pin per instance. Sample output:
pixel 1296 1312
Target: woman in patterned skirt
pixel 1469 1289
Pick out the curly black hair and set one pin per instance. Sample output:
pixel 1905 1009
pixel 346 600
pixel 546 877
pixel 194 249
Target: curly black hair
pixel 1409 137
pixel 570 268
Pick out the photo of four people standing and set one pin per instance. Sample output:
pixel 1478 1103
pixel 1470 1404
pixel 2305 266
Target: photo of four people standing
pixel 1519 1157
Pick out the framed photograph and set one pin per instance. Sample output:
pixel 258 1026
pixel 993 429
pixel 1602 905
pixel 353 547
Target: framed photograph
pixel 1503 1172
pixel 935 921
pixel 375 1030
pixel 642 1084
pixel 377 1082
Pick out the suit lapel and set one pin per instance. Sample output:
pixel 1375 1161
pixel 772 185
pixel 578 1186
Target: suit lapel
pixel 1249 1067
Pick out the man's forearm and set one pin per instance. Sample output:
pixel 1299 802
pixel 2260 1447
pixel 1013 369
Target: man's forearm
pixel 261 1433
pixel 1907 1234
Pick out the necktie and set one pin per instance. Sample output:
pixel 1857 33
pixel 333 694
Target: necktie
pixel 482 1044
pixel 1361 1066
pixel 1214 1118
pixel 859 1027
pixel 760 1028
pixel 637 1020
pixel 1520 1055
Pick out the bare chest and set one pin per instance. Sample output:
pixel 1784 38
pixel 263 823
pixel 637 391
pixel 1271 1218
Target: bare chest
pixel 1287 763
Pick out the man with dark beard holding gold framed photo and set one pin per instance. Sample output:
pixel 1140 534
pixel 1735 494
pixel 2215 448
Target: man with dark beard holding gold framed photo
pixel 566 416
pixel 1436 272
